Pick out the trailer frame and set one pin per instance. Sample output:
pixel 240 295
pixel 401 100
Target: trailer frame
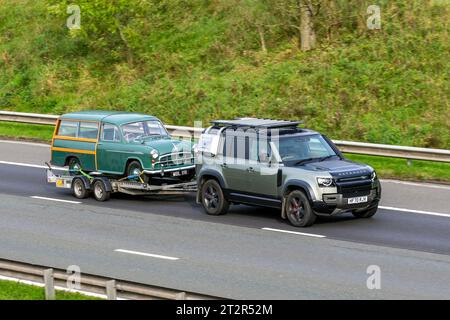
pixel 102 186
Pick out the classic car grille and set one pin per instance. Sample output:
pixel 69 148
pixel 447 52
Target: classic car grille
pixel 175 159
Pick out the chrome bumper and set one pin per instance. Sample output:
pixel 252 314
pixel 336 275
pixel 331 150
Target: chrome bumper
pixel 162 170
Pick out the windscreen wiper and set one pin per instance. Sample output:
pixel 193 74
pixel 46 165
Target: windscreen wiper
pixel 327 157
pixel 304 161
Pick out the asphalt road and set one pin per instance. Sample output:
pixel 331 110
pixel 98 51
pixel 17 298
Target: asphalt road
pixel 231 255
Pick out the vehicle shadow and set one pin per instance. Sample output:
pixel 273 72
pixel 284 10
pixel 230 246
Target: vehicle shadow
pixel 241 214
pixel 275 215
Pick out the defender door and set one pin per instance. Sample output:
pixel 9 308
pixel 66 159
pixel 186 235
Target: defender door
pixel 234 168
pixel 263 176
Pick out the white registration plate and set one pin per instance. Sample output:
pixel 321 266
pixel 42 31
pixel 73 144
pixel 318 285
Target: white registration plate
pixel 179 173
pixel 357 200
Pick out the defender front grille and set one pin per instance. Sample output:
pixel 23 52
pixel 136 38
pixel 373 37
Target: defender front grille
pixel 354 189
pixel 358 178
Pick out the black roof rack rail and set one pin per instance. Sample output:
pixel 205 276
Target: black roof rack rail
pixel 257 123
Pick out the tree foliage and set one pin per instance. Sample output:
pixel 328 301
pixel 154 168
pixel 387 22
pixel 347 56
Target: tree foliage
pixel 203 59
pixel 108 26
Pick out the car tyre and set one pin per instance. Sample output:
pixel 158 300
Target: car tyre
pixel 213 199
pixel 79 189
pixel 368 213
pixel 134 168
pixel 298 209
pixel 100 191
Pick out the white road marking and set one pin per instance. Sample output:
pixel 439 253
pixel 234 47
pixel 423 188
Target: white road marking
pixel 30 165
pixel 294 232
pixel 23 164
pixel 34 144
pixel 447 215
pixel 416 184
pixel 146 254
pixel 57 200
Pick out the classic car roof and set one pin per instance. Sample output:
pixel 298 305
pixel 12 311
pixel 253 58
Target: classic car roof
pixel 115 117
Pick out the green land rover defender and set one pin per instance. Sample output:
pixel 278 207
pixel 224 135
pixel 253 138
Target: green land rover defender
pixel 277 164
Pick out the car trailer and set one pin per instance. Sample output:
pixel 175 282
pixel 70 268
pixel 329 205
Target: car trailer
pixel 101 186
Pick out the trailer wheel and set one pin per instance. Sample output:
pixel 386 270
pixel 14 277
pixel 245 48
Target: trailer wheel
pixel 100 192
pixel 79 189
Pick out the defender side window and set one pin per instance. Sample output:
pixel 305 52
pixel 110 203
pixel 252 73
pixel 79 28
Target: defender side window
pixel 235 145
pixel 257 147
pixel 110 133
pixel 253 149
pixel 229 144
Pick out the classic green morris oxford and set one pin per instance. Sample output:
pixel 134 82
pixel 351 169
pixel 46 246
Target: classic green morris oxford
pixel 120 144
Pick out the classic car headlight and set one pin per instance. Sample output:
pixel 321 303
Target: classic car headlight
pixel 154 153
pixel 325 182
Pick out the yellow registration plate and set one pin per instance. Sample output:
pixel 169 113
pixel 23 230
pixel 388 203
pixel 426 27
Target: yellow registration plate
pixel 61 183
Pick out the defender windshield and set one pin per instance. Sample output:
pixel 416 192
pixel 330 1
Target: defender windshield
pixel 297 150
pixel 138 131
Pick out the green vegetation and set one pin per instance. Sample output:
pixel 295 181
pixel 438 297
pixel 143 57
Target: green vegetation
pixel 202 59
pixel 11 290
pixel 399 168
pixel 22 131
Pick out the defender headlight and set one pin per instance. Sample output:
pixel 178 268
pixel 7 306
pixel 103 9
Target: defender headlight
pixel 373 175
pixel 325 182
pixel 154 154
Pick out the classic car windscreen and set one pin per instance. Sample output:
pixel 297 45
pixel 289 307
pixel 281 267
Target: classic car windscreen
pixel 142 129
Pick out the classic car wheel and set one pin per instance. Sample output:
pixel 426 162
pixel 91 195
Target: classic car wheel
pixel 135 168
pixel 100 192
pixel 213 199
pixel 298 209
pixel 79 189
pixel 74 166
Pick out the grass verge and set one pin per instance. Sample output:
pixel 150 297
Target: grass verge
pixel 386 167
pixel 23 131
pixel 11 290
pixel 399 169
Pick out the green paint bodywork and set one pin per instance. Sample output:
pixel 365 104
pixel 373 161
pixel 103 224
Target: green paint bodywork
pixel 113 157
pixel 59 157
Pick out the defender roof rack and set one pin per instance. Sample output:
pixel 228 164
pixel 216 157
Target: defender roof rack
pixel 257 123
